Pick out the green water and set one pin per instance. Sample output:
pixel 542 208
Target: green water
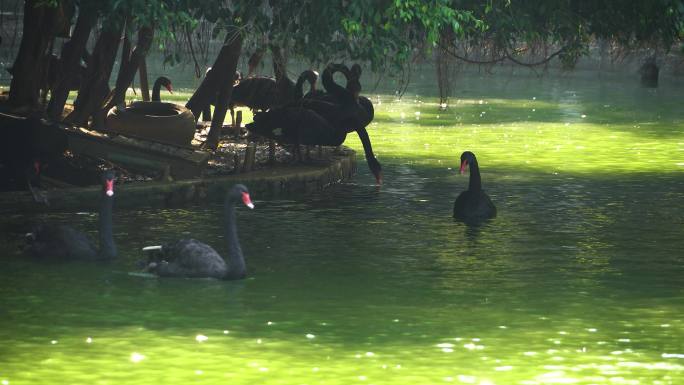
pixel 579 280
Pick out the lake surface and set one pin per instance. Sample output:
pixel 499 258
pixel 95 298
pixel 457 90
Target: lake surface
pixel 579 280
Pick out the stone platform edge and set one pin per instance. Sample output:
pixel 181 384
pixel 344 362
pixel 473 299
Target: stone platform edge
pixel 263 184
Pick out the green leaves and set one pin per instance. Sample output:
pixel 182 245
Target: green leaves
pixel 387 33
pixel 384 34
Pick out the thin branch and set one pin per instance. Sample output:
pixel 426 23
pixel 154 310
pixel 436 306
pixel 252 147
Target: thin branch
pixel 505 56
pixel 543 61
pixel 192 52
pixel 465 59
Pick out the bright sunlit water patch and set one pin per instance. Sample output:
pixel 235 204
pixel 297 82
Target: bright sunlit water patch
pixel 577 281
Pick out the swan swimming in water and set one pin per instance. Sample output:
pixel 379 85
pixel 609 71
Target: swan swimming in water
pixel 473 205
pixel 60 242
pixel 191 258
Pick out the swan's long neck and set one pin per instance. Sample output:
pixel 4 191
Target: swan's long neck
pixel 299 87
pixel 372 161
pixel 365 140
pixel 156 91
pixel 475 183
pixel 107 245
pixel 236 261
pixel 333 88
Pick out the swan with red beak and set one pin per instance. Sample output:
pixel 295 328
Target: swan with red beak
pixel 50 241
pixel 190 258
pixel 473 205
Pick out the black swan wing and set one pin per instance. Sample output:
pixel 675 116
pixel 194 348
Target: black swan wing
pixel 191 258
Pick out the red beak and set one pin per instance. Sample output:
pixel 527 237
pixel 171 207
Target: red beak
pixel 169 88
pixel 247 201
pixel 109 187
pixel 464 164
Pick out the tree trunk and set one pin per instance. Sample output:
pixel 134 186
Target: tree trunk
pixel 96 88
pixel 279 63
pixel 126 49
pixel 70 62
pixel 443 72
pixel 128 69
pixel 144 83
pixel 50 66
pixel 38 31
pixel 284 86
pixel 254 61
pixel 219 79
pixel 649 71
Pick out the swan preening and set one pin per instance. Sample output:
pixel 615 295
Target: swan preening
pixel 60 242
pixel 473 205
pixel 190 258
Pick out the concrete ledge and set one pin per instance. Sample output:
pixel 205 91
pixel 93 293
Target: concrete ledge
pixel 266 183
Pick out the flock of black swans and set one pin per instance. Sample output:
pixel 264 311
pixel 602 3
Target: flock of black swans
pixel 315 118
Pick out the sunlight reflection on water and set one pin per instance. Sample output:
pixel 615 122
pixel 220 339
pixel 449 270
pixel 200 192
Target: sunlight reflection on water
pixel 578 279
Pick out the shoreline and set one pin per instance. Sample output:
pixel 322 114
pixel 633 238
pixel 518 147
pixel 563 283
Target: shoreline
pixel 263 183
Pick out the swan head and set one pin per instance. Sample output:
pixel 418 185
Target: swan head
pixel 354 80
pixel 356 70
pixel 311 76
pixel 34 180
pixel 166 82
pixel 108 178
pixel 354 87
pixel 352 76
pixel 467 158
pixel 241 193
pixel 376 169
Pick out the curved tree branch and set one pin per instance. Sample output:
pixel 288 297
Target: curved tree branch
pixel 198 72
pixel 506 55
pixel 449 51
pixel 547 59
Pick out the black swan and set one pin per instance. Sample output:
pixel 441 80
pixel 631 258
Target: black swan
pixel 257 93
pixel 344 108
pixel 193 259
pixel 206 111
pixel 156 88
pixel 473 205
pixel 59 242
pixel 21 158
pixel 296 125
pixel 33 181
pixel 292 124
pixel 261 93
pixel 310 76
